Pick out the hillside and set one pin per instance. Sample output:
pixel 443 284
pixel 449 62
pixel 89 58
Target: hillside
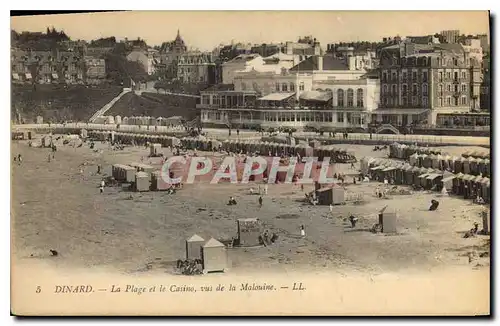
pixel 155 105
pixel 59 103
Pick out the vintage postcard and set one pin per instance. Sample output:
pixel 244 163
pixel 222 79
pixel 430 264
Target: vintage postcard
pixel 288 163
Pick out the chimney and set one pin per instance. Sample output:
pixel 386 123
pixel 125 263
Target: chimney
pixel 351 63
pixel 320 63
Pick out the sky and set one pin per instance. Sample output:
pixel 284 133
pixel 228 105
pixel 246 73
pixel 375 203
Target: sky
pixel 206 29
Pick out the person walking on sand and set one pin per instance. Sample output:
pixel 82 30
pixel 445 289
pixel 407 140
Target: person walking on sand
pixel 48 159
pixel 260 201
pixel 331 208
pixel 302 231
pixel 265 189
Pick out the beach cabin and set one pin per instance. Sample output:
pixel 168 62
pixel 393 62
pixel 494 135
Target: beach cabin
pixel 214 257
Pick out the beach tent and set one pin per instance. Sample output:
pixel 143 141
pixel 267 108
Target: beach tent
pixel 427 160
pixel 414 159
pixel 447 181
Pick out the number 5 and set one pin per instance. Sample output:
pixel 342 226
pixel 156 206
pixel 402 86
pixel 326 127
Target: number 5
pixel 38 289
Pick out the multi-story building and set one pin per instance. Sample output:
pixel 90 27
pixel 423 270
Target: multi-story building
pixel 418 82
pixel 294 99
pixel 484 41
pixel 327 67
pixel 241 62
pixel 56 66
pixel 95 69
pixel 266 50
pixel 229 52
pixel 197 67
pixel 147 58
pixel 473 48
pixel 451 36
pixel 304 47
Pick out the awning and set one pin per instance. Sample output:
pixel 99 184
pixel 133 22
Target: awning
pixel 424 175
pixel 389 169
pixel 400 111
pixel 15 76
pixel 28 75
pixel 433 176
pixel 449 178
pixel 276 97
pixel 377 168
pixel 55 76
pixel 316 96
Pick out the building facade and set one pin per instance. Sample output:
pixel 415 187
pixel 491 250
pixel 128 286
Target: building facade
pixel 48 67
pixel 148 59
pixel 419 83
pixel 241 62
pixel 451 36
pixel 267 99
pixel 95 69
pixel 197 67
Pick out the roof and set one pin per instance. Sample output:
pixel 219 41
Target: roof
pixel 399 111
pixel 244 58
pixel 219 87
pixel 316 96
pixel 276 96
pixel 329 63
pixel 280 56
pixel 195 238
pixel 212 243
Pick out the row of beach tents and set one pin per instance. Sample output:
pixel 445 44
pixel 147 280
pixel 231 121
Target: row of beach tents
pixel 474 163
pixel 401 173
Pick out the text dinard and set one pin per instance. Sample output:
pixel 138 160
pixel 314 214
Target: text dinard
pixel 72 289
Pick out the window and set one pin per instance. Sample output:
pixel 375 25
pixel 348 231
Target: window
pixel 414 89
pixel 359 98
pixel 449 88
pixel 456 88
pixel 440 101
pixel 384 77
pixel 448 75
pixel 340 98
pixel 440 76
pixel 441 88
pixel 414 75
pixel 464 100
pixel 448 100
pixel 405 89
pixel 386 101
pixel 284 87
pixel 439 61
pixel 405 76
pixel 455 75
pixel 414 100
pixel 394 76
pixel 424 76
pixel 243 86
pixel 464 74
pixel 455 101
pixel 292 87
pixel 277 87
pixel 394 90
pixel 424 101
pixel 385 89
pixel 455 62
pixel 301 86
pixel 405 100
pixel 350 97
pixel 340 117
pixel 464 88
pixel 424 89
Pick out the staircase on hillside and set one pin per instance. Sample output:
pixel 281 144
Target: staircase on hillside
pixel 388 127
pixel 108 106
